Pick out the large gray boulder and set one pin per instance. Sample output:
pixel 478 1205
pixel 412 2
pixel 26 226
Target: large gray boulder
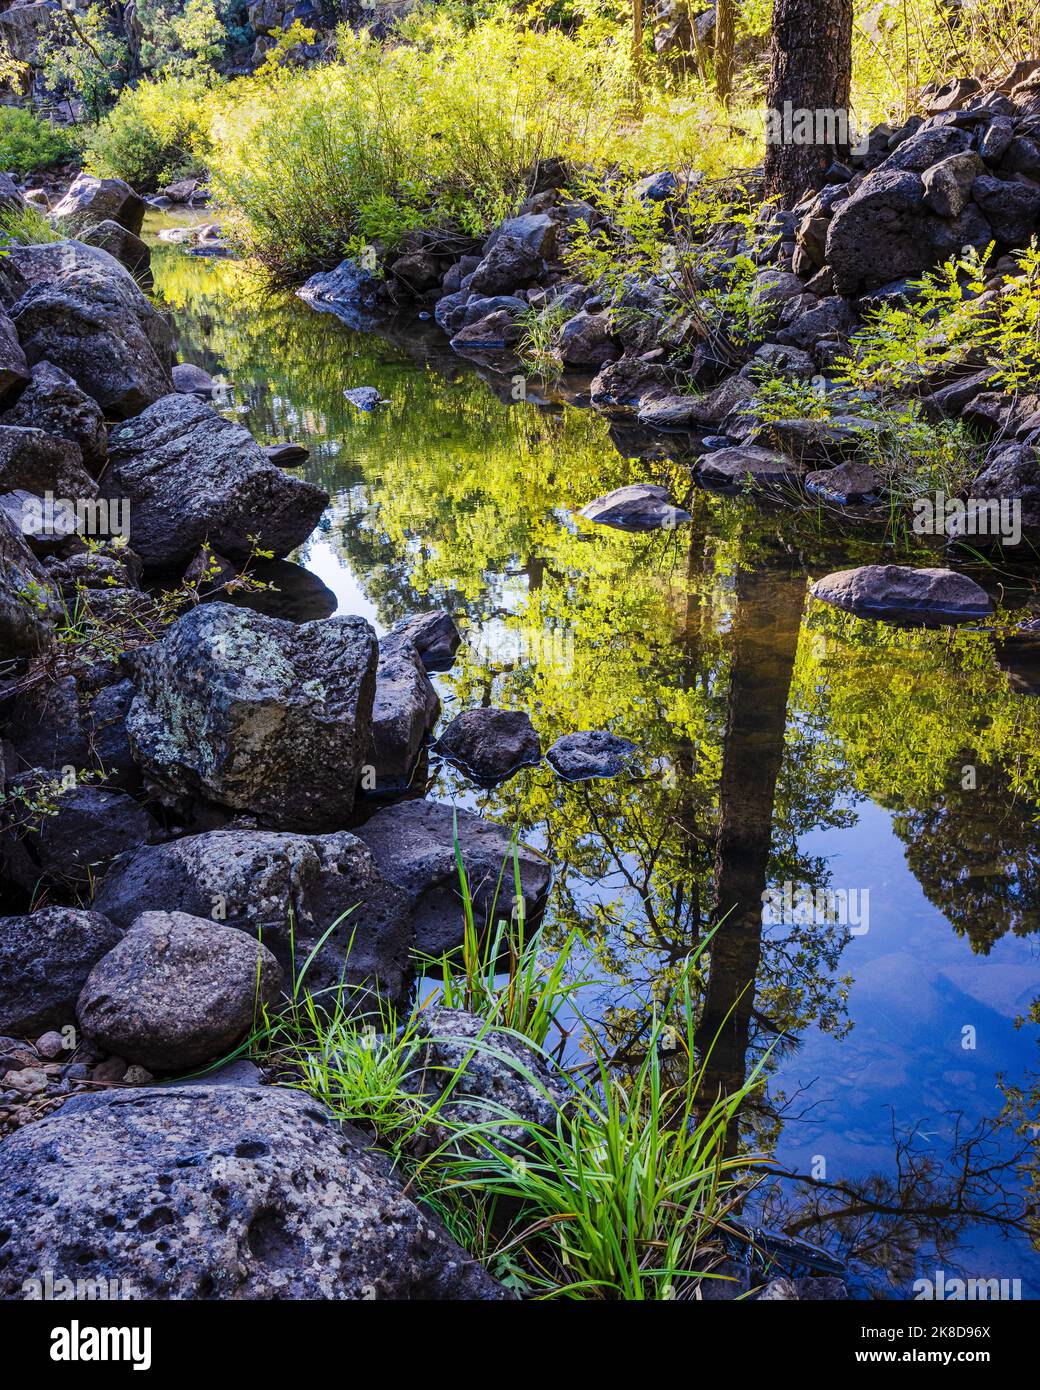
pixel 53 403
pixel 91 201
pixel 507 265
pixel 288 890
pixel 177 991
pixel 413 846
pixel 45 959
pixel 219 1192
pixel 257 713
pixel 885 230
pixel 193 477
pixel 23 26
pixel 28 602
pixel 897 593
pixel 1011 478
pixel 82 311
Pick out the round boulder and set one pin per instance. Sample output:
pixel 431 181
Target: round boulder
pixel 218 1192
pixel 177 991
pixel 901 594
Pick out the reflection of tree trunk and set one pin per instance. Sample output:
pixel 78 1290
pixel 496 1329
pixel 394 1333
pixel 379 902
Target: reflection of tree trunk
pixel 764 640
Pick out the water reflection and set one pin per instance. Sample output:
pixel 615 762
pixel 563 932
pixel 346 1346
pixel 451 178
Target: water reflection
pixel 781 745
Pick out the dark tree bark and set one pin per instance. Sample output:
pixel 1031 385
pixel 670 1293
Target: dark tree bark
pixel 811 69
pixel 725 20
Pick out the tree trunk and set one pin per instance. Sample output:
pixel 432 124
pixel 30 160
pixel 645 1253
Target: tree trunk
pixel 724 24
pixel 638 64
pixel 811 71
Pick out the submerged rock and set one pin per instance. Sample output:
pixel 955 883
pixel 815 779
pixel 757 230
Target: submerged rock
pixel 45 959
pixel 637 507
pixel 750 466
pixel 490 745
pixel 846 484
pixel 349 292
pixel 590 753
pixel 898 593
pixel 177 991
pixel 257 713
pixel 413 845
pixel 193 477
pixel 287 889
pixel 227 1192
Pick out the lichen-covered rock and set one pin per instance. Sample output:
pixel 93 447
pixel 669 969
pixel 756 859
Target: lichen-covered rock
pixel 288 890
pixel 413 846
pixel 177 991
pixel 53 403
pixel 258 713
pixel 44 960
pixel 898 593
pixel 225 1192
pixel 82 311
pixel 193 477
pixel 586 340
pixel 490 745
pixel 91 201
pixel 497 1081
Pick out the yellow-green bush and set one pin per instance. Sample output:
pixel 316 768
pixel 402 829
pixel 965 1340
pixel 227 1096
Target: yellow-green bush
pixel 156 132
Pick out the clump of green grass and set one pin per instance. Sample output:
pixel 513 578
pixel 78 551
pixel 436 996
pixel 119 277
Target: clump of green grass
pixel 624 1195
pixel 25 226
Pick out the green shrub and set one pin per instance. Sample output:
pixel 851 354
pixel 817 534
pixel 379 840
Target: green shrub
pixel 155 133
pixel 28 143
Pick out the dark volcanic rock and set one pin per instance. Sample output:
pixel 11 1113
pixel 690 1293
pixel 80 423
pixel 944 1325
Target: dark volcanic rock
pixel 14 370
pixel 405 709
pixel 83 312
pixel 349 292
pixel 412 844
pixel 490 745
pixel 748 466
pixel 125 246
pixel 228 1192
pixel 637 507
pixel 494 1079
pixel 177 991
pixel 28 602
pixel 434 636
pixel 257 713
pixel 193 477
pixel 281 887
pixel 72 846
pixel 44 960
pixel 507 265
pixel 591 753
pixel 899 594
pixel 55 404
pixel 35 462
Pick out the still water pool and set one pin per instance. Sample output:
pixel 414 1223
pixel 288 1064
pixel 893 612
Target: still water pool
pixel 784 747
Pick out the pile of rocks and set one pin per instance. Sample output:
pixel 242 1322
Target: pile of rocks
pixel 965 176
